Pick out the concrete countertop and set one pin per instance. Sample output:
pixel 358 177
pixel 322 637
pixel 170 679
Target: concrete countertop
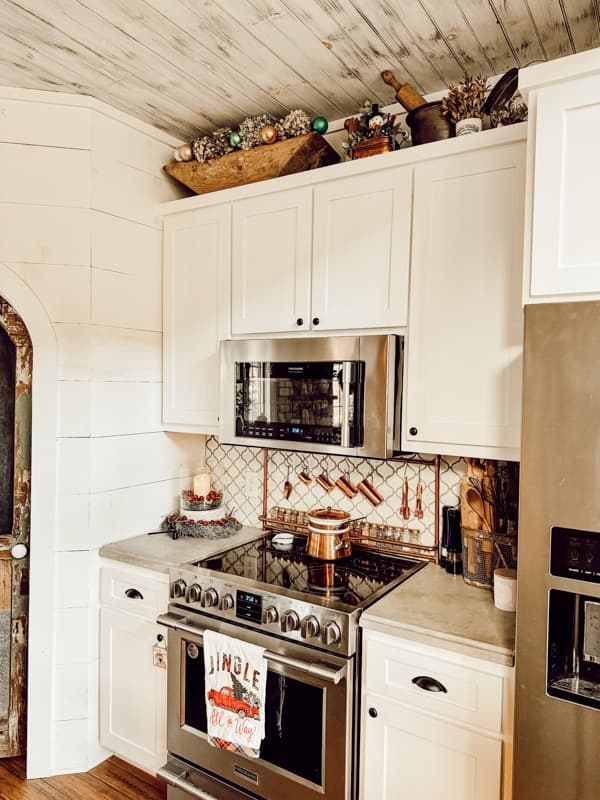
pixel 442 610
pixel 159 552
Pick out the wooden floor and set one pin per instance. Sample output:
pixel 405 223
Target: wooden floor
pixel 111 780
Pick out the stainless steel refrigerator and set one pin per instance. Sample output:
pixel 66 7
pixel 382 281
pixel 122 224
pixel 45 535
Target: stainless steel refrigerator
pixel 557 711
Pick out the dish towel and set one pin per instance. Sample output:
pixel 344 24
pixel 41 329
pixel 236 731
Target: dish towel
pixel 235 675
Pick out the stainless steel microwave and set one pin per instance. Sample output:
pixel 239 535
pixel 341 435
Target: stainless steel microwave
pixel 339 395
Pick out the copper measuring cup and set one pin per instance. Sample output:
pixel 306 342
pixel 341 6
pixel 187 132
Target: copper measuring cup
pixel 370 492
pixel 345 484
pixel 305 476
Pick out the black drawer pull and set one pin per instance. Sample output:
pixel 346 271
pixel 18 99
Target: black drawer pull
pixel 134 594
pixel 429 684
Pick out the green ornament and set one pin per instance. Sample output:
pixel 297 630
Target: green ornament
pixel 319 124
pixel 235 139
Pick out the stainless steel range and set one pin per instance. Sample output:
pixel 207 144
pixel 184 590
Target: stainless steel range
pixel 305 613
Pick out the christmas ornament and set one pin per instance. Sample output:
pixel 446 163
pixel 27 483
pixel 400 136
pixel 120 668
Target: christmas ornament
pixel 319 124
pixel 268 133
pixel 183 153
pixel 375 122
pixel 235 139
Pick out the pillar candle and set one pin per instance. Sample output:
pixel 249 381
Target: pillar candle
pixel 202 483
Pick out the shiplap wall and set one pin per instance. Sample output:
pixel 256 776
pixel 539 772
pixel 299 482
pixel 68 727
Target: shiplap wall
pixel 78 223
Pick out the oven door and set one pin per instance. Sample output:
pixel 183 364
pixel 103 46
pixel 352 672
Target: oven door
pixel 307 751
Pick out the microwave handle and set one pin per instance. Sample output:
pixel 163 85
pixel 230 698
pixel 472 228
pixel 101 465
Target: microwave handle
pixel 317 670
pixel 347 368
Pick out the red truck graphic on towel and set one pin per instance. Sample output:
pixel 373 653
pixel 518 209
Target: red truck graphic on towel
pixel 226 699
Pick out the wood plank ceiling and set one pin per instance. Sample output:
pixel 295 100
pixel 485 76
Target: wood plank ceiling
pixel 189 66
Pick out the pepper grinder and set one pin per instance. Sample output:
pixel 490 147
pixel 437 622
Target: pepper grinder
pixel 454 563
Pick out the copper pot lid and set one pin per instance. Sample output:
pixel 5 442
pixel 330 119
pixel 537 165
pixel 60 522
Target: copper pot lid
pixel 328 514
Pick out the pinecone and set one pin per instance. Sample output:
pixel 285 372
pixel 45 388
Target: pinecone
pixel 296 123
pixel 214 145
pixel 250 130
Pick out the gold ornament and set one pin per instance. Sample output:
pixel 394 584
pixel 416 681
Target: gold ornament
pixel 268 134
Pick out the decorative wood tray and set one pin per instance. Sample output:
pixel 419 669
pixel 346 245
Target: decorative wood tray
pixel 298 154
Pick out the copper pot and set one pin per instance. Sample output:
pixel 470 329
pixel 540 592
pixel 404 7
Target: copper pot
pixel 328 545
pixel 328 534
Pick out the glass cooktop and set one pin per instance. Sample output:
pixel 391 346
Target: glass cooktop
pixel 356 580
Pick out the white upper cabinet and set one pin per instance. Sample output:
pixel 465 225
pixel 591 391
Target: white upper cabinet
pixel 362 251
pixel 195 317
pixel 463 388
pixel 342 267
pixel 564 168
pixel 271 262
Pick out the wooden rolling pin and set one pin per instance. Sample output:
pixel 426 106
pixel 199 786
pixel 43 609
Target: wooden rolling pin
pixel 406 94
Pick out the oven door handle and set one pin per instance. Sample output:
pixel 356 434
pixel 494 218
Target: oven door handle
pixel 329 674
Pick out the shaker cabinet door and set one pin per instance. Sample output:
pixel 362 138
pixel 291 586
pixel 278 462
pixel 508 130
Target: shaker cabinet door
pixel 407 754
pixel 133 692
pixel 271 262
pixel 565 241
pixel 463 389
pixel 196 315
pixel 362 251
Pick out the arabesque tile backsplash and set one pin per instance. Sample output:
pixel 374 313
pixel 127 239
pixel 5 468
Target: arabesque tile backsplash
pixel 238 472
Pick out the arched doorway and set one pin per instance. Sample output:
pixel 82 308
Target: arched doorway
pixel 40 671
pixel 15 507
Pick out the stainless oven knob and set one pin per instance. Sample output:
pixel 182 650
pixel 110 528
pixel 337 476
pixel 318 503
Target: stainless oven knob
pixel 270 615
pixel 226 602
pixel 309 627
pixel 178 588
pixel 331 633
pixel 290 621
pixel 210 598
pixel 193 593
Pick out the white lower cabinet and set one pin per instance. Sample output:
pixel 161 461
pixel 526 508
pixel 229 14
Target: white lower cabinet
pixel 451 744
pixel 133 691
pixel 410 754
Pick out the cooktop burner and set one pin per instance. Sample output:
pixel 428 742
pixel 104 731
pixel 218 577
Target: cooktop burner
pixel 352 581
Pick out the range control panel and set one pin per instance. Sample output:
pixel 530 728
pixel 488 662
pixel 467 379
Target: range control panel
pixel 575 554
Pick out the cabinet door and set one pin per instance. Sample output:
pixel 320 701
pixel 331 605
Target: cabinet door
pixel 565 243
pixel 463 393
pixel 196 315
pixel 409 754
pixel 133 692
pixel 362 251
pixel 271 262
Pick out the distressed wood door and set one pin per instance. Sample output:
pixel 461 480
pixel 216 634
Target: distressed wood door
pixel 15 485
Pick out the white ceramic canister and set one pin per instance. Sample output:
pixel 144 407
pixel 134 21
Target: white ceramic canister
pixel 505 589
pixel 468 125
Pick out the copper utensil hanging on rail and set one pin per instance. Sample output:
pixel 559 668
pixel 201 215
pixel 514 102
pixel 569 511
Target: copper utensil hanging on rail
pixel 370 492
pixel 404 509
pixel 419 513
pixel 345 484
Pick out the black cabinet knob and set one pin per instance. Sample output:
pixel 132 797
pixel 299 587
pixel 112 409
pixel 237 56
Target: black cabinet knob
pixel 316 320
pixel 299 321
pixel 413 431
pixel 373 712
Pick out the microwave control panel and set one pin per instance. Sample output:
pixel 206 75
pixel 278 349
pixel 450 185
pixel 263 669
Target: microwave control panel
pixel 575 554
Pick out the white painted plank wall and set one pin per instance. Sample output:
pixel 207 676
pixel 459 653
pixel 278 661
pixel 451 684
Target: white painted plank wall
pixel 78 223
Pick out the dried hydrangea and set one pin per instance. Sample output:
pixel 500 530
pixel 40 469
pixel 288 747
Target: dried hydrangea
pixel 250 130
pixel 296 123
pixel 213 145
pixel 465 100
